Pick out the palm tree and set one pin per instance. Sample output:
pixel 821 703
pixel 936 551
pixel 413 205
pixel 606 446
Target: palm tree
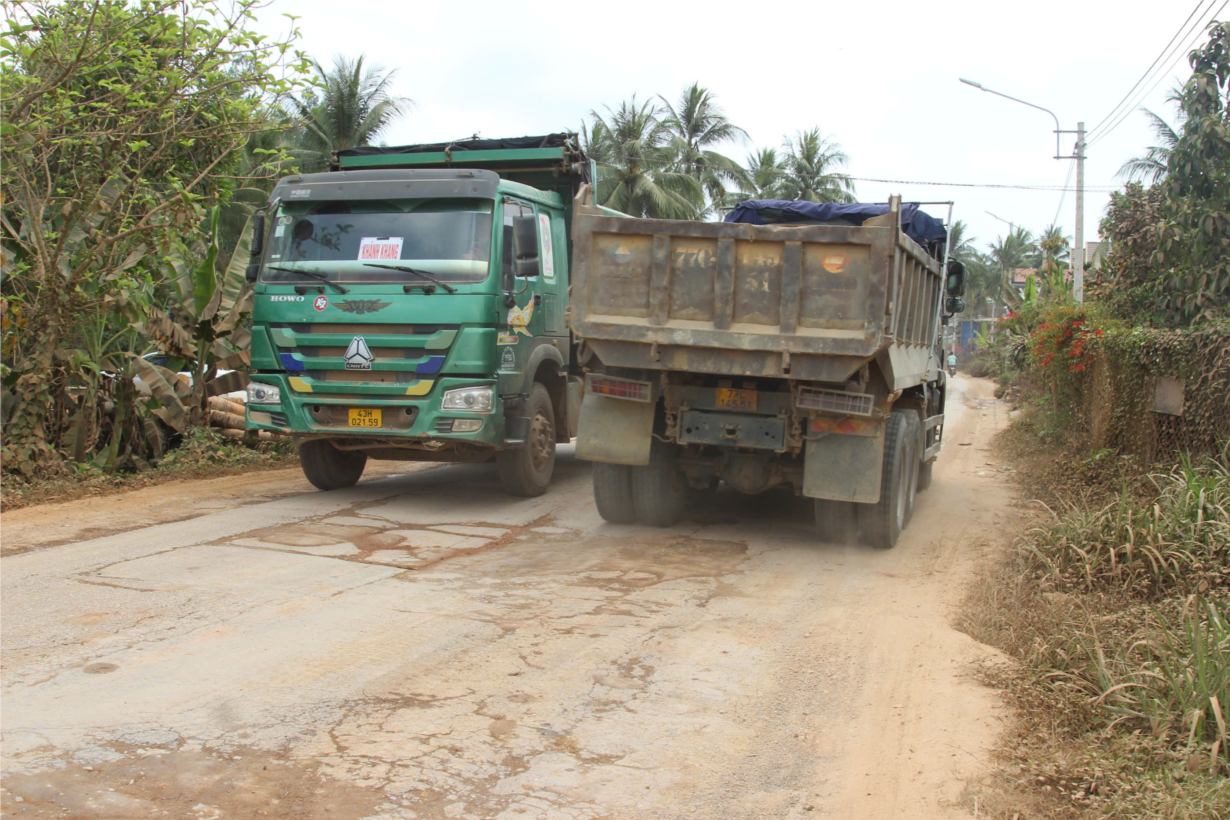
pixel 696 125
pixel 1017 250
pixel 763 177
pixel 636 164
pixel 960 246
pixel 1054 246
pixel 350 106
pixel 1151 165
pixel 810 162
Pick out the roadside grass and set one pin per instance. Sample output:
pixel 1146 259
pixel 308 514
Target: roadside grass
pixel 202 454
pixel 1115 608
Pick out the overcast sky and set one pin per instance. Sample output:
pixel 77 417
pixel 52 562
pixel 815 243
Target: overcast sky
pixel 881 78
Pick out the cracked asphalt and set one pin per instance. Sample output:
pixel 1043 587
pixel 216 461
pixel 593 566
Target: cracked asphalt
pixel 423 646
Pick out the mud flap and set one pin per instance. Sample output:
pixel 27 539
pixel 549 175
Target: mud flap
pixel 844 468
pixel 616 431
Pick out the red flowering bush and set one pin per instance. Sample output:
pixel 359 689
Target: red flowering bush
pixel 1063 341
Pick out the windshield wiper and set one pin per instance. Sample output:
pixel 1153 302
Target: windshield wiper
pixel 428 275
pixel 319 277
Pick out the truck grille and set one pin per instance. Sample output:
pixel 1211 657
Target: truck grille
pixel 835 401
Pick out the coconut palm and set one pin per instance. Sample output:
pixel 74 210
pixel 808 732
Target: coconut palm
pixel 763 177
pixel 637 164
pixel 1151 166
pixel 811 160
pixel 1055 247
pixel 1017 250
pixel 349 107
pixel 960 246
pixel 696 124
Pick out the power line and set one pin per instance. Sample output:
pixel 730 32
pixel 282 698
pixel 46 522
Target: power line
pixel 1149 70
pixel 1161 77
pixel 1062 196
pixel 786 173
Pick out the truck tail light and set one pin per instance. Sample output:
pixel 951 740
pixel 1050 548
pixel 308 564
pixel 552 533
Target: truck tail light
pixel 619 388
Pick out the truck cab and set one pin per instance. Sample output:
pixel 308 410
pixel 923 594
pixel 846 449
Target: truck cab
pixel 409 305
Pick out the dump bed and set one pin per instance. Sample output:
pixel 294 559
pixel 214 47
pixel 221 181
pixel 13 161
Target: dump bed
pixel 808 302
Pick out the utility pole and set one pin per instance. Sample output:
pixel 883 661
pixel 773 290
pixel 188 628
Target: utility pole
pixel 1078 252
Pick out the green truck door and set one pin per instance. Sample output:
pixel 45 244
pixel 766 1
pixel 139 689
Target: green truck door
pixel 553 267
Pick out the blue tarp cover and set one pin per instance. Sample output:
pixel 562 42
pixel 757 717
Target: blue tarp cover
pixel 923 228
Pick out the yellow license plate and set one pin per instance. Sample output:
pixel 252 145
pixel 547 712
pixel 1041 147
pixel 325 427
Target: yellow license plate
pixel 736 399
pixel 365 417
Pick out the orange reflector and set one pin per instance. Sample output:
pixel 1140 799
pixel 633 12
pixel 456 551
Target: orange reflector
pixel 619 388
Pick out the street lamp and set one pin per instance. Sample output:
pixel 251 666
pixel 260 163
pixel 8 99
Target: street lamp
pixel 1011 225
pixel 1078 252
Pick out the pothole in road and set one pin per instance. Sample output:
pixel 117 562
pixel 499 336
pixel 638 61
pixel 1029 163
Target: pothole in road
pixel 347 536
pixel 182 784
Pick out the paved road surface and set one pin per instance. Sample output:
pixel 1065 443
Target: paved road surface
pixel 422 646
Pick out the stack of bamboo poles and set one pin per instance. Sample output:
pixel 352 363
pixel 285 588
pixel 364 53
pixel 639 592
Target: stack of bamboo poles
pixel 226 416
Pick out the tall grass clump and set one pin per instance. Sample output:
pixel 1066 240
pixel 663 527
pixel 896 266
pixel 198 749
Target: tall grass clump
pixel 1178 544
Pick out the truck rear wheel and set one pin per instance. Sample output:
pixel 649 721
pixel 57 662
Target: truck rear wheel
pixel 836 521
pixel 526 470
pixel 913 434
pixel 613 493
pixel 329 468
pixel 659 492
pixel 881 523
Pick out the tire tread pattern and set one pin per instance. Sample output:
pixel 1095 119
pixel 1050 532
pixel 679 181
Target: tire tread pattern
pixel 659 492
pixel 613 493
pixel 328 468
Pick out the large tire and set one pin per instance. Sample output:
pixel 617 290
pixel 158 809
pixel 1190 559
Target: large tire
pixel 881 523
pixel 613 493
pixel 836 521
pixel 329 468
pixel 913 434
pixel 526 470
pixel 659 491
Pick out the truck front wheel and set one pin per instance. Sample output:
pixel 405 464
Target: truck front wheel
pixel 659 492
pixel 526 470
pixel 329 468
pixel 613 493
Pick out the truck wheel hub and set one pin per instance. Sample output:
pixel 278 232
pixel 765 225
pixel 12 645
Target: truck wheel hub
pixel 542 441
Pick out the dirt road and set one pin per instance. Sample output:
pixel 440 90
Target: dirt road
pixel 422 646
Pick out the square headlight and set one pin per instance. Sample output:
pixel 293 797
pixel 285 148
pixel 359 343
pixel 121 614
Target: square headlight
pixel 259 393
pixel 469 399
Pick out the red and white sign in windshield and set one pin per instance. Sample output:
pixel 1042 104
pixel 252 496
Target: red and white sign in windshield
pixel 380 248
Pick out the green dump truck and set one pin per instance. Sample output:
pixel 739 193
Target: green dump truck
pixel 793 344
pixel 409 304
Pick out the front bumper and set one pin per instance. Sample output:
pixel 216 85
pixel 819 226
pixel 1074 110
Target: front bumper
pixel 305 412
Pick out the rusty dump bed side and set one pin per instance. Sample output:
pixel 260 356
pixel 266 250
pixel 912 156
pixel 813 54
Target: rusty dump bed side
pixel 805 302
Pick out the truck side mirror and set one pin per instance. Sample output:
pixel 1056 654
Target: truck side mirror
pixel 954 304
pixel 525 245
pixel 256 246
pixel 955 286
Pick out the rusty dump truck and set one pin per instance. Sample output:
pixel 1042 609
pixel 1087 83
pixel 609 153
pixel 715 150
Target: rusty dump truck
pixel 793 344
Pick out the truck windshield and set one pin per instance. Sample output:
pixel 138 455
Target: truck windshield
pixel 449 238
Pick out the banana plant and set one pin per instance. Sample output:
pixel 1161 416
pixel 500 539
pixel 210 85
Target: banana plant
pixel 205 331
